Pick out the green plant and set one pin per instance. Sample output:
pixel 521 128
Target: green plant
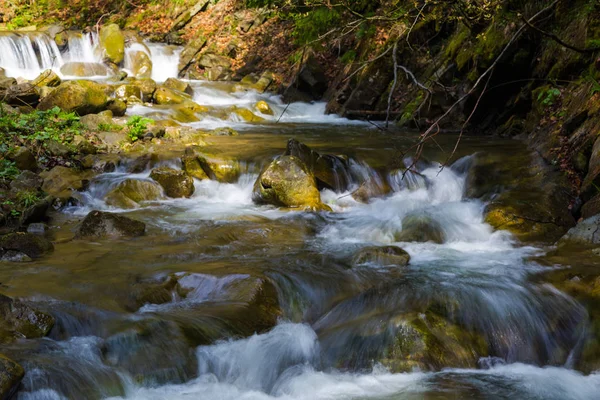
pixel 137 127
pixel 311 25
pixel 27 199
pixel 8 170
pixel 548 97
pixel 348 57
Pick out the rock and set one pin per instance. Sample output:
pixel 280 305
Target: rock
pixel 37 211
pixel 99 224
pixel 191 166
pixel 224 131
pixel 142 163
pixel 47 78
pixel 263 108
pixel 247 115
pixel 57 149
pixel 384 255
pixel 26 181
pixel 373 187
pixel 330 171
pixel 209 60
pixel 173 83
pixel 165 95
pixel 93 121
pixel 592 179
pixel 23 159
pixel 15 256
pixel 175 183
pixel 84 146
pixel 585 233
pixel 112 43
pixel 420 228
pixel 18 320
pixel 82 97
pixel 189 53
pixel 37 228
pixel 131 192
pixel 141 88
pixel 22 94
pixel 591 207
pixel 33 245
pixel 152 293
pixel 188 14
pixel 117 107
pixel 309 84
pixel 141 64
pixel 11 374
pixel 287 182
pixel 217 73
pixel 60 179
pixel 84 69
pixel 216 168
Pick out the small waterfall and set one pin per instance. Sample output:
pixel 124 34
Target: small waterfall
pixel 82 48
pixel 18 54
pixel 165 61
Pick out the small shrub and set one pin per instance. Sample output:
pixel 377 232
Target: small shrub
pixel 8 170
pixel 137 127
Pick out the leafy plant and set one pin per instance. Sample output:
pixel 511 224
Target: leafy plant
pixel 27 198
pixel 548 97
pixel 8 170
pixel 137 127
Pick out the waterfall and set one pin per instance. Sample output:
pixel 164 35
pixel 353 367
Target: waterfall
pixel 82 48
pixel 18 54
pixel 165 61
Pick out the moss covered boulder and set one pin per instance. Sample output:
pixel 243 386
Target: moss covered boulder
pixel 99 224
pixel 381 255
pixel 165 96
pixel 80 96
pixel 18 320
pixel 141 88
pixel 34 246
pixel 11 374
pixel 177 84
pixel 287 182
pixel 131 193
pixel 217 168
pixel 174 182
pixel 112 43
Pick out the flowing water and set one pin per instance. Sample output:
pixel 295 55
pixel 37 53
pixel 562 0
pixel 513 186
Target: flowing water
pixel 338 323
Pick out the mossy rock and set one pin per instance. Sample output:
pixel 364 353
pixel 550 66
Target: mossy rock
pixel 381 255
pixel 117 107
pixel 141 64
pixel 80 96
pixel 34 246
pixel 11 374
pixel 263 107
pixel 174 182
pixel 112 43
pixel 192 167
pixel 132 192
pixel 287 182
pixel 60 179
pixel 167 96
pixel 18 320
pixel 141 88
pixel 99 224
pixel 23 159
pixel 247 115
pixel 174 83
pixel 217 168
pixel 47 78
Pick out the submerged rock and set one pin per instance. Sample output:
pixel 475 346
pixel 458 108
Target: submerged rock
pixel 18 320
pixel 99 224
pixel 34 246
pixel 420 228
pixel 80 96
pixel 381 255
pixel 287 182
pixel 175 182
pixel 11 374
pixel 131 192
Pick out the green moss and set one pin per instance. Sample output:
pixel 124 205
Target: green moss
pixel 410 109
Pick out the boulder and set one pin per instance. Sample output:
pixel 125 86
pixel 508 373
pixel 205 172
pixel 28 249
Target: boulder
pixel 19 320
pixel 57 149
pixel 26 181
pixel 94 121
pixel 381 255
pixel 141 88
pixel 80 96
pixel 47 78
pixel 330 171
pixel 61 179
pixel 263 108
pixel 117 107
pixel 309 84
pixel 112 43
pixel 84 69
pixel 141 64
pixel 131 192
pixel 11 374
pixel 210 60
pixel 192 167
pixel 165 95
pixel 14 256
pixel 33 246
pixel 173 83
pixel 217 168
pixel 22 94
pixel 591 207
pixel 99 224
pixel 287 182
pixel 420 228
pixel 585 233
pixel 174 182
pixel 247 115
pixel 23 159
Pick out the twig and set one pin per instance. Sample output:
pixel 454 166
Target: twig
pixel 389 106
pixel 559 40
pixel 414 23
